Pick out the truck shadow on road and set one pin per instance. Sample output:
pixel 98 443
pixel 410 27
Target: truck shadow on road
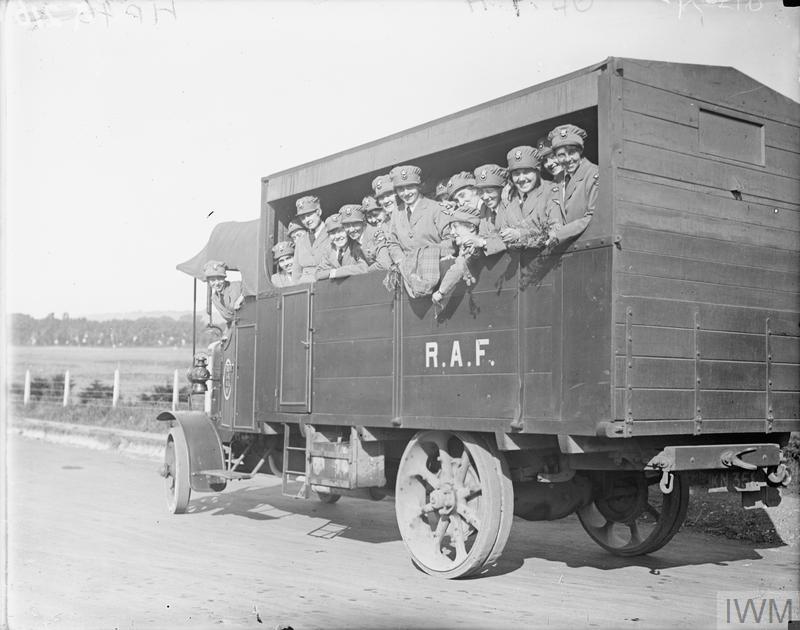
pixel 566 542
pixel 562 541
pixel 367 521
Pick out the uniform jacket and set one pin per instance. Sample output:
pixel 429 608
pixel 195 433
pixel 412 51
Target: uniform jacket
pixel 520 212
pixel 308 256
pixel 282 279
pixel 375 247
pixel 488 229
pixel 352 261
pixel 576 200
pixel 421 230
pixel 225 301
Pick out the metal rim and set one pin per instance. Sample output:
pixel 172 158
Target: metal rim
pixel 176 469
pixel 452 503
pixel 630 515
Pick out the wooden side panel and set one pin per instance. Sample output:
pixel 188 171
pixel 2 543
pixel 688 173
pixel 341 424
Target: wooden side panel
pixel 352 355
pixel 295 349
pixel 267 352
pixel 707 275
pixel 586 336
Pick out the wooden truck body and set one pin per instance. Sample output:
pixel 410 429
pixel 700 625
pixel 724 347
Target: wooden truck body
pixel 664 339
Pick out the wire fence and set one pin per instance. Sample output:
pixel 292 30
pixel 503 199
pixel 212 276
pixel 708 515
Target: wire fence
pixel 61 390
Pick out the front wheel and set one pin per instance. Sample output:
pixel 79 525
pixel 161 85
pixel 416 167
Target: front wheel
pixel 630 515
pixel 454 503
pixel 176 471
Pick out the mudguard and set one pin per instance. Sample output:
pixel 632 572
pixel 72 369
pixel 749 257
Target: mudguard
pixel 204 445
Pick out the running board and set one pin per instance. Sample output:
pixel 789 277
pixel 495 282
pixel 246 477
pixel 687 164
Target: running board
pixel 225 474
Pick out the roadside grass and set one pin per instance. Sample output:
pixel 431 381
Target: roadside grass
pixel 139 418
pixel 140 368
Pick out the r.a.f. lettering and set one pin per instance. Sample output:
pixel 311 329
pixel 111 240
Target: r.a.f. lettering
pixel 455 357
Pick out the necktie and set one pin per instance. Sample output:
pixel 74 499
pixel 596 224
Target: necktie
pixel 311 237
pixel 340 256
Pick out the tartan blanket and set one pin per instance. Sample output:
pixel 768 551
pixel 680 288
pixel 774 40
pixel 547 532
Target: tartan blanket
pixel 420 271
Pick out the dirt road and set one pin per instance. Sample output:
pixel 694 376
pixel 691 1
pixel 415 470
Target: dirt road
pixel 91 546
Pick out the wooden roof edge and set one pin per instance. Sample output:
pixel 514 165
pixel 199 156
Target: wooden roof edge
pixel 506 97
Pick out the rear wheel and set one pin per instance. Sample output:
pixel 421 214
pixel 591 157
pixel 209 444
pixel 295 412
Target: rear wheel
pixel 630 515
pixel 176 471
pixel 454 503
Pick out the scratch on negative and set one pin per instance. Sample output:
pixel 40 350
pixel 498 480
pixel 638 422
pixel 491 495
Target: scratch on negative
pixel 755 89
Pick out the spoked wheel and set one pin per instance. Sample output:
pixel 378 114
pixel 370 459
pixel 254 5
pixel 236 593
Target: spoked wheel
pixel 176 471
pixel 454 503
pixel 630 516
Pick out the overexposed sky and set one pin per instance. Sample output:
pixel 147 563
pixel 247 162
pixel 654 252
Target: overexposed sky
pixel 127 122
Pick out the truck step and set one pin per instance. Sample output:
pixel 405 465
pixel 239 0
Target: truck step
pixel 225 474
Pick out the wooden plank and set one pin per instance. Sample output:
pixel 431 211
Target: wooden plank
pixel 652 341
pixel 637 97
pixel 724 346
pixel 538 350
pixel 539 303
pixel 362 289
pixel 487 352
pixel 362 357
pixel 487 310
pixel 704 201
pixel 785 378
pixel 737 404
pixel 731 375
pixel 538 400
pixel 461 395
pixel 662 404
pixel 709 172
pixel 657 373
pixel 645 286
pixel 650 373
pixel 646 129
pixel 719 85
pixel 369 395
pixel 673 313
pixel 677 108
pixel 785 349
pixel 695 247
pixel 374 321
pixel 649 264
pixel 666 220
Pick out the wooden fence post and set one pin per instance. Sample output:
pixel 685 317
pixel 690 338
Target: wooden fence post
pixel 175 392
pixel 66 389
pixel 26 392
pixel 115 394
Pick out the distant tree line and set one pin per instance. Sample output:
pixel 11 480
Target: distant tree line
pixel 67 331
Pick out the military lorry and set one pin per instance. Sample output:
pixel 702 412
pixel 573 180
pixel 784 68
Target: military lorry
pixel 601 378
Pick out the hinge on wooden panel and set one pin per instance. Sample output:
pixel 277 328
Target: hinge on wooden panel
pixel 769 417
pixel 628 372
pixel 698 415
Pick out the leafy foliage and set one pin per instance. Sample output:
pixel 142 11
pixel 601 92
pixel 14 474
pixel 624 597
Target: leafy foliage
pixel 97 391
pixel 163 394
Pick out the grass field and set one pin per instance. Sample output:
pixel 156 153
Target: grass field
pixel 140 368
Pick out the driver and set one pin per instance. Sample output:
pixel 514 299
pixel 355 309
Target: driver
pixel 226 296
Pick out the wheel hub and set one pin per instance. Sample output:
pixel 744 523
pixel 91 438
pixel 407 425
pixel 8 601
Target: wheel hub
pixel 624 500
pixel 443 499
